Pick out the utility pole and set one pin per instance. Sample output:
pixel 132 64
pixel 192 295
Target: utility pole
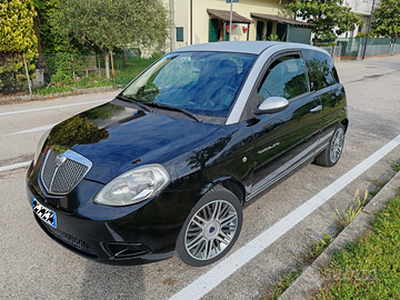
pixel 369 29
pixel 230 17
pixel 230 22
pixel 172 29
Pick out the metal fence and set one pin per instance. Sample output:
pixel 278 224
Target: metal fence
pixel 13 73
pixel 396 48
pixel 334 51
pixel 19 76
pixel 353 48
pixel 374 50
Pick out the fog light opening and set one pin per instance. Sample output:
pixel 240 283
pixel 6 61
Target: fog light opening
pixel 126 250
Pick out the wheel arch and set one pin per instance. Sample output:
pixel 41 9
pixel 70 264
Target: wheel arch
pixel 236 187
pixel 345 123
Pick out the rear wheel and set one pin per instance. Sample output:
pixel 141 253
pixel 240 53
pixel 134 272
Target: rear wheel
pixel 211 229
pixel 330 156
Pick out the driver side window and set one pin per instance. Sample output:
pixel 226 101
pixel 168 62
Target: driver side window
pixel 286 77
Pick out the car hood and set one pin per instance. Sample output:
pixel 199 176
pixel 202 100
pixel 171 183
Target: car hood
pixel 118 138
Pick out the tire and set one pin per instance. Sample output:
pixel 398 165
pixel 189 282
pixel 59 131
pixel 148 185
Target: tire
pixel 330 156
pixel 211 229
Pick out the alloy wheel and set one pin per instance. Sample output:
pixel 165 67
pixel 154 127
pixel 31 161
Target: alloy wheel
pixel 211 229
pixel 336 145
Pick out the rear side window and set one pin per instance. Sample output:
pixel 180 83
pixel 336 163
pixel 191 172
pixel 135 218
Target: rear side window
pixel 321 69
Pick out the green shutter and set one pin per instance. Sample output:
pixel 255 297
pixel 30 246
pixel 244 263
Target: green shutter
pixel 213 35
pixel 179 34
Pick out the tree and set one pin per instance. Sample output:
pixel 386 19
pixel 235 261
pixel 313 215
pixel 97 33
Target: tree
pixel 108 24
pixel 16 27
pixel 330 18
pixel 49 32
pixel 387 19
pixel 61 47
pixel 17 38
pixel 48 37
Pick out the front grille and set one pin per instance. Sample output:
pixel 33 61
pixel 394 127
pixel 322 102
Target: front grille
pixel 71 241
pixel 62 172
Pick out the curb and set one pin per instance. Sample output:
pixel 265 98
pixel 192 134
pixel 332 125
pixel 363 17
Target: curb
pixel 26 98
pixel 306 286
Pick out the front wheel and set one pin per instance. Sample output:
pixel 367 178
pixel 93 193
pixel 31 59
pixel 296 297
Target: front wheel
pixel 330 156
pixel 211 229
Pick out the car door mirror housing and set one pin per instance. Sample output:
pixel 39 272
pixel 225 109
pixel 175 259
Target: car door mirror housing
pixel 272 105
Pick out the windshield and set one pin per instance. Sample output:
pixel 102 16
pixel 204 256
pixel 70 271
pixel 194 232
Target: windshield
pixel 204 83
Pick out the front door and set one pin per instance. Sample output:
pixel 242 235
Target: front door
pixel 283 140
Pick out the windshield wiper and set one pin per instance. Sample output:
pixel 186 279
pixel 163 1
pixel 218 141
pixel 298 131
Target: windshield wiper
pixel 160 105
pixel 141 105
pixel 174 108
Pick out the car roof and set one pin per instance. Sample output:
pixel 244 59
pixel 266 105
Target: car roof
pixel 251 47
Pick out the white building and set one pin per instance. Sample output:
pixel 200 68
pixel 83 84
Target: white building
pixel 362 8
pixel 202 21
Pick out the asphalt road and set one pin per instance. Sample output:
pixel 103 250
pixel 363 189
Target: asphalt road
pixel 32 266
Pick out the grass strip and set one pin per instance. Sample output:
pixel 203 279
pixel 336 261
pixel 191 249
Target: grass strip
pixel 306 258
pixel 370 267
pixel 284 282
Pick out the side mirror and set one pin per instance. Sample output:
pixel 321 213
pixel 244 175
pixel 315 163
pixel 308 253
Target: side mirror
pixel 272 105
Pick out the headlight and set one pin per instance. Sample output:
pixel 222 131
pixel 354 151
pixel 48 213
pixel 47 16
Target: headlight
pixel 40 146
pixel 134 186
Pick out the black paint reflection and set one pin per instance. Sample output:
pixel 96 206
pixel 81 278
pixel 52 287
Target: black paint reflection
pixel 200 158
pixel 82 129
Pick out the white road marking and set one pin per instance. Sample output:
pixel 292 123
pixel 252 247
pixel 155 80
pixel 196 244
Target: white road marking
pixel 205 283
pixel 15 166
pixel 51 107
pixel 41 128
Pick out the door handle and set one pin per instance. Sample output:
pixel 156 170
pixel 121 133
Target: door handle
pixel 316 109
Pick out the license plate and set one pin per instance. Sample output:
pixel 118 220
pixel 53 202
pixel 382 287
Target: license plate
pixel 46 215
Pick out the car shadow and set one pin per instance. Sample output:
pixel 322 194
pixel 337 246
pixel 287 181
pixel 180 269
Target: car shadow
pixel 103 281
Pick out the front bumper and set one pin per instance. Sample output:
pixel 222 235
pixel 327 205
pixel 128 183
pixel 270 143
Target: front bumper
pixel 115 235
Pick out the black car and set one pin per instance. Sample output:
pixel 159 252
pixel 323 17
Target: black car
pixel 167 166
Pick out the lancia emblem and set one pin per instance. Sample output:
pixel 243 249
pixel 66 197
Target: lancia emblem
pixel 60 159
